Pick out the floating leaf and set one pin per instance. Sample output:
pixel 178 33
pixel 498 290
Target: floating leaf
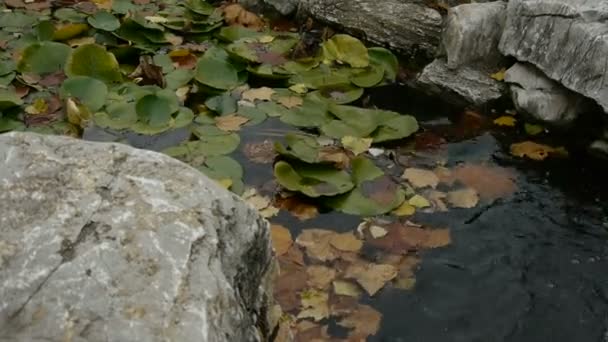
pixel 44 58
pixel 346 49
pixel 103 20
pixel 290 101
pixel 505 120
pixel 94 61
pixel 340 94
pixel 223 167
pixel 298 207
pixel 490 182
pixel 69 31
pixel 281 239
pixel 346 288
pixel 463 198
pixel 396 128
pixel 536 151
pixel 371 277
pixel 356 145
pixel 263 93
pixel 533 129
pixel 312 180
pixel 89 91
pixel 385 58
pixel 230 123
pixel 418 201
pixel 369 77
pixel 405 209
pixel 346 242
pixel 156 110
pixel 317 244
pixel 315 305
pixel 9 99
pixel 213 69
pixel 320 277
pixel 420 178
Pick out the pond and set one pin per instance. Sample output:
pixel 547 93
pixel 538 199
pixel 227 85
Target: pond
pixel 455 225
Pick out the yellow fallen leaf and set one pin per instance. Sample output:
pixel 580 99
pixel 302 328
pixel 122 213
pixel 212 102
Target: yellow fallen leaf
pixel 499 75
pixel 346 288
pixel 377 231
pixel 231 122
pixel 281 239
pixel 356 145
pixel 263 93
pixel 420 178
pixel 69 31
pixel 419 202
pixel 266 39
pixel 536 151
pixel 315 304
pixel 320 276
pixel 226 183
pixel 299 88
pixel 38 107
pixel 290 101
pixel 405 209
pixel 505 120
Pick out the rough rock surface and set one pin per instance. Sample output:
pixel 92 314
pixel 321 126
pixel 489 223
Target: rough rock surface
pixel 465 85
pixel 541 97
pixel 285 7
pixel 104 242
pixel 472 33
pixel 410 29
pixel 566 39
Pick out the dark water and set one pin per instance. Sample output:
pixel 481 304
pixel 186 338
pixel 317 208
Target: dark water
pixel 529 267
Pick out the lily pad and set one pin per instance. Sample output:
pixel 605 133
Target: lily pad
pixel 224 167
pixel 312 113
pixel 94 61
pixel 216 71
pixel 313 180
pixel 120 115
pixel 215 142
pixel 9 99
pixel 44 58
pixel 340 94
pixel 396 128
pixel 369 77
pixel 89 91
pixel 155 109
pixel 222 104
pixel 346 49
pixel 105 21
pixel 374 194
pixel 385 58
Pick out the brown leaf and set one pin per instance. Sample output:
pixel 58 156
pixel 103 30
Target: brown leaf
pixel 346 242
pixel 148 72
pixel 364 320
pixel 52 80
pixel 290 101
pixel 183 58
pixel 490 182
pixel 291 280
pixel 260 152
pixel 320 276
pixel 381 190
pixel 315 305
pixel 281 239
pixel 316 242
pixel 230 123
pixel 403 238
pixel 235 14
pixel 298 208
pixel 371 277
pixel 308 331
pixel 335 155
pixel 420 178
pixel 264 94
pixel 463 198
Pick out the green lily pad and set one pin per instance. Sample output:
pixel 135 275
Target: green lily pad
pixel 178 78
pixel 89 91
pixel 9 99
pixel 10 124
pixel 156 110
pixel 224 167
pixel 234 33
pixel 215 71
pixel 222 104
pixel 105 21
pixel 255 115
pixel 44 58
pixel 340 94
pixel 199 6
pixel 323 76
pixel 385 58
pixel 272 109
pixel 120 115
pixel 312 113
pixel 215 142
pixel 313 180
pixel 369 77
pixel 94 61
pixel 394 129
pixel 346 49
pixel 304 148
pixel 45 30
pixel 374 194
pixel 353 121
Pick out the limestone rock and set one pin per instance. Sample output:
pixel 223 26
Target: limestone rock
pixel 465 85
pixel 104 242
pixel 542 98
pixel 566 39
pixel 472 33
pixel 410 29
pixel 285 7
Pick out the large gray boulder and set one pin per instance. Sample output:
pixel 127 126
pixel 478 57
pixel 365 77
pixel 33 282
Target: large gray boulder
pixel 542 98
pixel 408 28
pixel 472 33
pixel 285 7
pixel 463 86
pixel 104 242
pixel 566 39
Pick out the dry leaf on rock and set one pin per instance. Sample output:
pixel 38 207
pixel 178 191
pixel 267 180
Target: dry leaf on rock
pixel 230 123
pixel 316 242
pixel 371 277
pixel 364 320
pixel 298 208
pixel 260 152
pixel 290 101
pixel 463 198
pixel 264 94
pixel 281 239
pixel 346 288
pixel 346 242
pixel 535 151
pixel 315 305
pixel 320 276
pixel 490 182
pixel 420 178
pixel 235 14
